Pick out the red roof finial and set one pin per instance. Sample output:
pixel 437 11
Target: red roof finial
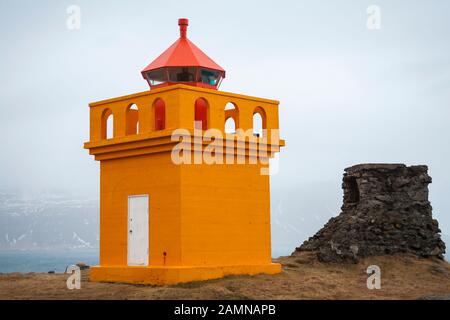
pixel 183 23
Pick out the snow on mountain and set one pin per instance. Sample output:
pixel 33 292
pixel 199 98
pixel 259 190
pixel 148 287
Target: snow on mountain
pixel 47 221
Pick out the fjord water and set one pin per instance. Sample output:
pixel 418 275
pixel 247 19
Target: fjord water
pixel 44 261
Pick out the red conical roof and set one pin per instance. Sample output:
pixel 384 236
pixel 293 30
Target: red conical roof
pixel 183 53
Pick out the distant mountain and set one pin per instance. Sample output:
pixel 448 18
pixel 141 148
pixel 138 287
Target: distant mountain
pixel 45 221
pixel 48 222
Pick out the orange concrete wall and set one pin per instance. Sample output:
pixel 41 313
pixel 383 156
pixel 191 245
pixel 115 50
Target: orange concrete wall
pixel 156 176
pixel 199 214
pixel 132 122
pixel 225 215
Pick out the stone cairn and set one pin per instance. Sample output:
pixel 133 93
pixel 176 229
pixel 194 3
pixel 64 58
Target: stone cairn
pixel 385 211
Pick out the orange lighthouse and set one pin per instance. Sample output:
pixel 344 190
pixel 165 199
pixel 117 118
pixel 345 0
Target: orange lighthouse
pixel 184 183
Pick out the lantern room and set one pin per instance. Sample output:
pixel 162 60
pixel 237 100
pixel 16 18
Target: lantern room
pixel 183 62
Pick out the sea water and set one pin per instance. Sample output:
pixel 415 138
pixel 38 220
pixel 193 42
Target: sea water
pixel 44 261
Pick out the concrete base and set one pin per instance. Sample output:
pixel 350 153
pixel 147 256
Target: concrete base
pixel 177 274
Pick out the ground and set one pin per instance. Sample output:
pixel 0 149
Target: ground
pixel 303 277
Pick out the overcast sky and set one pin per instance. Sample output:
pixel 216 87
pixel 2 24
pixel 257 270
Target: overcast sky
pixel 348 94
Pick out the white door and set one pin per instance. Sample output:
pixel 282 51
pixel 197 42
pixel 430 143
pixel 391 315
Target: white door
pixel 138 230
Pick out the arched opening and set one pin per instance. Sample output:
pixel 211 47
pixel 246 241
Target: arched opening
pixel 231 118
pixel 201 114
pixel 107 125
pixel 159 107
pixel 132 119
pixel 259 122
pixel 230 125
pixel 351 189
pixel 110 127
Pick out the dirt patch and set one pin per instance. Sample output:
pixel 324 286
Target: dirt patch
pixel 303 277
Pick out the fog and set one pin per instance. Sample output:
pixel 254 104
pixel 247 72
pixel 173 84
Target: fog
pixel 348 94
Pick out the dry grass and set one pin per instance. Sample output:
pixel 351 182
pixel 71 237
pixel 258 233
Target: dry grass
pixel 303 277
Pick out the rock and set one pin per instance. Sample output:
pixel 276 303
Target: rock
pixel 354 249
pixel 82 266
pixel 385 210
pixel 435 252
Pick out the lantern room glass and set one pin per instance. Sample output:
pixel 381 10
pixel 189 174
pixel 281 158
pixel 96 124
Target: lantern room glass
pixel 211 77
pixel 184 75
pixel 157 76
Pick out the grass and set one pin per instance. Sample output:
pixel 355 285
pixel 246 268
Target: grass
pixel 303 277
